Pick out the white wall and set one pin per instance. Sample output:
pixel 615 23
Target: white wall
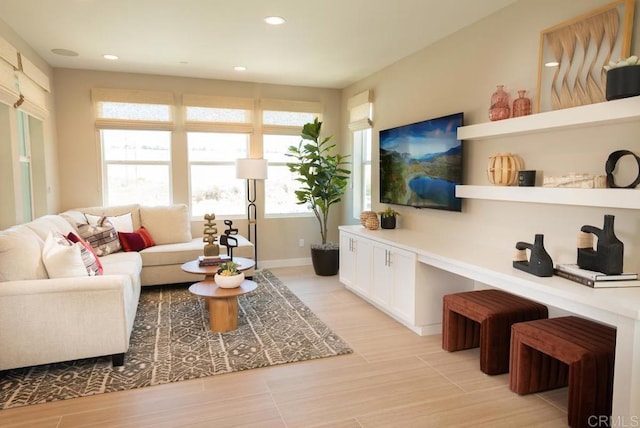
pixel 460 73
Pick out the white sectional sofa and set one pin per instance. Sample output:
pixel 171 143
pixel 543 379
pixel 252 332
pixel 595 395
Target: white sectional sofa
pixel 45 320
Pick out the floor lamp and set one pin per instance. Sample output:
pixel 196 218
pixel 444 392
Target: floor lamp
pixel 252 170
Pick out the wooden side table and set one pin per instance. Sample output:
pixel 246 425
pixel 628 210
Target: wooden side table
pixel 222 303
pixel 209 271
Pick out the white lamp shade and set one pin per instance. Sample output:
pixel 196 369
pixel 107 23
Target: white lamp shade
pixel 251 169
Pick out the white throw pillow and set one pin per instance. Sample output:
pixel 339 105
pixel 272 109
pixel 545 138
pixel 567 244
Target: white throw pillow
pixel 167 224
pixel 62 258
pixel 122 223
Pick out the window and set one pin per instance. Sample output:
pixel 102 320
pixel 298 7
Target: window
pixel 282 125
pixel 281 185
pixel 219 131
pixel 135 137
pixel 212 173
pixel 24 143
pixel 137 166
pixel 360 112
pixel 362 169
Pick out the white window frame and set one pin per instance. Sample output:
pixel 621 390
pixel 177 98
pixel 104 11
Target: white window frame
pixel 102 95
pixel 219 127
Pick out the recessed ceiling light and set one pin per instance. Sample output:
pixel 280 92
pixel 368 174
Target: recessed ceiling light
pixel 109 56
pixel 64 52
pixel 240 68
pixel 274 20
pixel 552 64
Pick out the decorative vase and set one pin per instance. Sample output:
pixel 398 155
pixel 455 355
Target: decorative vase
pixel 608 255
pixel 364 215
pixel 521 105
pixel 388 222
pixel 499 104
pixel 232 281
pixel 623 82
pixel 503 169
pixel 370 220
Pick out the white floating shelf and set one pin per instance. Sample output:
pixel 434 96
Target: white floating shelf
pixel 622 110
pixel 609 198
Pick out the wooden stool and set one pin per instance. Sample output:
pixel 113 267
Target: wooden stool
pixel 484 318
pixel 552 353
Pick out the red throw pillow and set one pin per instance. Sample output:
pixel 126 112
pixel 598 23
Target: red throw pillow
pixel 136 241
pixel 89 256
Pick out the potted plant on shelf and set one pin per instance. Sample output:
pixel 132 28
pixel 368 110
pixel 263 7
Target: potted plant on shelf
pixel 228 275
pixel 388 218
pixel 323 177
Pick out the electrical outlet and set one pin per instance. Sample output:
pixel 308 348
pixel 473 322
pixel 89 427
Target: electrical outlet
pixel 301 243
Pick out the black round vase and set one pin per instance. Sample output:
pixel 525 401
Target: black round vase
pixel 388 222
pixel 326 262
pixel 623 82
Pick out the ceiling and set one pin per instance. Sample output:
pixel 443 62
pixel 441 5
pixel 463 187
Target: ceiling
pixel 325 43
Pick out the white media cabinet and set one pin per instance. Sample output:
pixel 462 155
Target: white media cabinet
pixel 405 273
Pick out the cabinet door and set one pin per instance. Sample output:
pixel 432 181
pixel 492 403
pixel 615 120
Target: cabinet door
pixel 382 279
pixel 347 259
pixel 403 266
pixel 364 257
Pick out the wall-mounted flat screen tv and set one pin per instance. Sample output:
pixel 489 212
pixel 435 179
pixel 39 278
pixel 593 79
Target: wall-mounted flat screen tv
pixel 421 163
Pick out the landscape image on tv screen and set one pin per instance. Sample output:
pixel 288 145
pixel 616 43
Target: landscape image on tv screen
pixel 421 163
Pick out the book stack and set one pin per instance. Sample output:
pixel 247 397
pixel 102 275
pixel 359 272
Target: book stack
pixel 596 279
pixel 212 260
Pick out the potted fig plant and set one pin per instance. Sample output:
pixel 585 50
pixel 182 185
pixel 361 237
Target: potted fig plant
pixel 323 176
pixel 388 218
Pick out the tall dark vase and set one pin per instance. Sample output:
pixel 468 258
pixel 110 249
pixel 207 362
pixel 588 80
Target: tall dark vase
pixel 326 262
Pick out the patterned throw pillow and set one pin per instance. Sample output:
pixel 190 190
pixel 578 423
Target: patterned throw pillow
pixel 102 237
pixel 136 241
pixel 89 256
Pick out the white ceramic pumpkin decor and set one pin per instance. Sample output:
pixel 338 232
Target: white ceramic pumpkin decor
pixel 503 169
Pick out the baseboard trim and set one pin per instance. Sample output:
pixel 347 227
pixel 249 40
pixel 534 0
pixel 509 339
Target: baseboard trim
pixel 268 264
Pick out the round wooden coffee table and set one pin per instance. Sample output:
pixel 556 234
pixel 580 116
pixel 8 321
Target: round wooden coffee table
pixel 209 271
pixel 222 303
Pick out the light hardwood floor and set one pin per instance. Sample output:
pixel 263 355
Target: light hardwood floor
pixel 394 378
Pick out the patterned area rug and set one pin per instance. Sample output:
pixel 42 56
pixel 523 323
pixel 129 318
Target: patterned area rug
pixel 171 341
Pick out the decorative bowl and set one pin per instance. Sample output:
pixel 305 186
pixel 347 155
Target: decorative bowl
pixel 232 281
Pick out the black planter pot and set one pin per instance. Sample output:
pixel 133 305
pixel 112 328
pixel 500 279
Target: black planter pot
pixel 388 222
pixel 326 262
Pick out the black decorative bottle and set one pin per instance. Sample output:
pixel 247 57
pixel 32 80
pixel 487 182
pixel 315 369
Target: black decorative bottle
pixel 608 255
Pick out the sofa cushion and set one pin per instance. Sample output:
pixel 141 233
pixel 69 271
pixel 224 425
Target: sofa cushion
pixel 123 264
pixel 62 258
pixel 49 223
pixel 136 241
pixel 102 237
pixel 167 224
pixel 172 254
pixel 21 255
pixel 122 223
